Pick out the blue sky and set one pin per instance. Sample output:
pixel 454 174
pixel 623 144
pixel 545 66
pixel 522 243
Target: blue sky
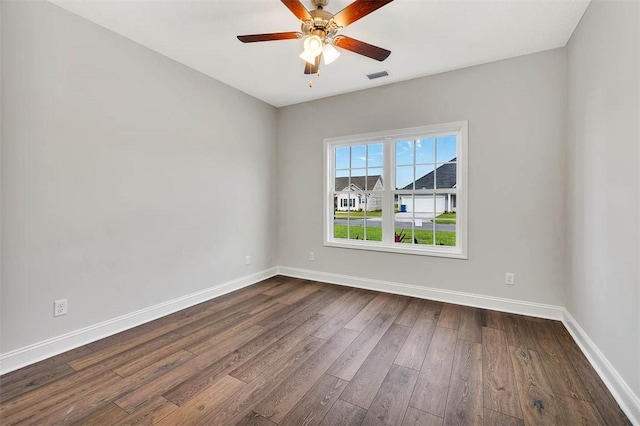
pixel 428 153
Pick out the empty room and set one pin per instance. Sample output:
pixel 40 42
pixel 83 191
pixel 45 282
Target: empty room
pixel 320 212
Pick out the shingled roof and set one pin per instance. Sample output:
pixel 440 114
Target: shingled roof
pixel 342 183
pixel 445 178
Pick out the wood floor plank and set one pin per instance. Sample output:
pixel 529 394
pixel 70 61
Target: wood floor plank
pixel 470 326
pixel 415 347
pixel 303 291
pixel 602 398
pixel 415 417
pixel 362 389
pixel 577 412
pixel 368 313
pixel 203 378
pixel 151 412
pixel 243 402
pixel 536 397
pixel 557 365
pixel 493 319
pixel 316 403
pixel 34 371
pixel 226 342
pixel 174 372
pixel 494 418
pixel 409 314
pixel 346 366
pixel 215 317
pixel 392 400
pixel 82 405
pixel 45 397
pixel 519 333
pixel 108 415
pixel 254 419
pixel 342 311
pixel 344 414
pixel 202 404
pixel 272 354
pixel 291 284
pixel 55 372
pixel 146 354
pixel 395 304
pixel 277 404
pixel 296 308
pixel 464 400
pixel 499 382
pixel 430 393
pixel 449 316
pixel 327 296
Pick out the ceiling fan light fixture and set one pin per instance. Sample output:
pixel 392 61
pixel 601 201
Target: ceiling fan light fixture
pixel 308 57
pixel 329 53
pixel 313 45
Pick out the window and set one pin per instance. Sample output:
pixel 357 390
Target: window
pixel 401 191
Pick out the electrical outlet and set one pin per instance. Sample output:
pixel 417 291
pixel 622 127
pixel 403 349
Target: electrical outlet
pixel 247 260
pixel 510 278
pixel 60 307
pixel 312 256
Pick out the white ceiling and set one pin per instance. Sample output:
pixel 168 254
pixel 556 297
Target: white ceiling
pixel 424 36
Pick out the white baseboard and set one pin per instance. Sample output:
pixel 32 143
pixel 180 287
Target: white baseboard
pixel 626 398
pixel 19 358
pixel 457 297
pixel 622 393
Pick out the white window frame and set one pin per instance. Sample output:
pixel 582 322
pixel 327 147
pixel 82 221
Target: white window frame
pixel 388 138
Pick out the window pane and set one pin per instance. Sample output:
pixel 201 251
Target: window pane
pixel 404 177
pixel 402 221
pixel 446 149
pixel 425 149
pixel 374 155
pixel 342 157
pixel 374 179
pixel 446 176
pixel 373 217
pixel 404 153
pixel 423 219
pixel 424 177
pixel 445 225
pixel 358 156
pixel 341 180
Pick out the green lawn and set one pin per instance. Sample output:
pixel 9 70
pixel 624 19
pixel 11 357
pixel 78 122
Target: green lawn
pixel 445 238
pixel 449 218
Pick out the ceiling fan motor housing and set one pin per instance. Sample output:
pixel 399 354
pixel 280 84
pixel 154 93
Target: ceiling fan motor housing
pixel 320 24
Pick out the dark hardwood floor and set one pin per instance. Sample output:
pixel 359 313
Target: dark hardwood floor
pixel 294 352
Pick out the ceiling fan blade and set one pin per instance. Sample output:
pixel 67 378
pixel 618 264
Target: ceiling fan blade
pixel 312 69
pixel 362 48
pixel 297 9
pixel 357 10
pixel 252 38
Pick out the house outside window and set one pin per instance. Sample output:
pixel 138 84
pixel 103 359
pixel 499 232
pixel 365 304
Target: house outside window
pixel 401 191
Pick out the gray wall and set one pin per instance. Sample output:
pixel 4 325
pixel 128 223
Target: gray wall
pixel 603 139
pixel 127 179
pixel 516 113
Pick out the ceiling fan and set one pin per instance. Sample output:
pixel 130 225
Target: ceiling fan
pixel 320 28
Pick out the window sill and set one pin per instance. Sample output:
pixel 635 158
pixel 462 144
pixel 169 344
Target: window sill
pixel 434 251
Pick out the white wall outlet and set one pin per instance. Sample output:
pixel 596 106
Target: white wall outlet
pixel 312 256
pixel 60 307
pixel 247 260
pixel 510 278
